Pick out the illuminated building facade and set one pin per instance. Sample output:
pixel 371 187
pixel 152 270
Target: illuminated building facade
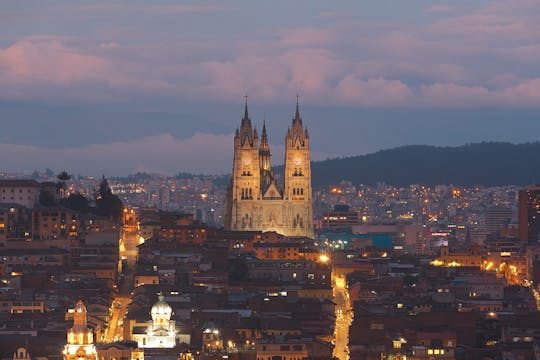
pixel 161 331
pixel 255 201
pixel 80 339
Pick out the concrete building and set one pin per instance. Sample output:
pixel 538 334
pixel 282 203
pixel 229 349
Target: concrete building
pixel 21 192
pixel 341 217
pixel 529 214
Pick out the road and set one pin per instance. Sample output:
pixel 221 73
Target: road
pixel 115 330
pixel 343 316
pixel 128 251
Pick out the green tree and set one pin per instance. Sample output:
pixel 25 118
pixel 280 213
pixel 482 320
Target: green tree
pixel 77 202
pixel 63 177
pixel 46 198
pixel 108 204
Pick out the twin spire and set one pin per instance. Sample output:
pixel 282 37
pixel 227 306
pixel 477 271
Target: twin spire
pixel 248 134
pixel 296 119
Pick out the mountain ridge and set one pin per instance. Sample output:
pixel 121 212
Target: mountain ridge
pixel 485 163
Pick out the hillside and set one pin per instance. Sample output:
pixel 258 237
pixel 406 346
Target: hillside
pixel 488 164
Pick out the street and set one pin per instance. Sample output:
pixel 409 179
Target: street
pixel 343 316
pixel 128 251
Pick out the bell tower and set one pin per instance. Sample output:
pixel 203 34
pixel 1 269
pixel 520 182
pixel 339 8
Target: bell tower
pixel 246 179
pixel 297 175
pixel 80 339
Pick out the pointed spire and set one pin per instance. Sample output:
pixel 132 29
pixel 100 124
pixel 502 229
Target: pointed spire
pixel 245 106
pixel 247 133
pixel 297 117
pixel 264 137
pixel 264 157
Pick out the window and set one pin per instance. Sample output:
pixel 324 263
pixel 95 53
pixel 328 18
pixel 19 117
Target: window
pixel 311 276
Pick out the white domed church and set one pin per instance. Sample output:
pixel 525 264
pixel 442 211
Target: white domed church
pixel 161 331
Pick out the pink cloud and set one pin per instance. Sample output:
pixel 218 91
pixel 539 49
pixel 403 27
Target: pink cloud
pixel 48 60
pixel 373 91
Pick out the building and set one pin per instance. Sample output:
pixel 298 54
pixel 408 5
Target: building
pixel 341 217
pixel 496 218
pixel 21 192
pixel 529 213
pixel 80 339
pixel 161 330
pixel 255 200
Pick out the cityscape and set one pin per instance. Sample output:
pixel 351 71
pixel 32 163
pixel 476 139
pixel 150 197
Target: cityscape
pixel 229 180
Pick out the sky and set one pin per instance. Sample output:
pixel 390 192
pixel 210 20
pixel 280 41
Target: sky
pixel 115 87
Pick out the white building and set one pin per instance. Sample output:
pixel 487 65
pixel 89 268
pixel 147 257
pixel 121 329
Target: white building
pixel 22 192
pixel 161 331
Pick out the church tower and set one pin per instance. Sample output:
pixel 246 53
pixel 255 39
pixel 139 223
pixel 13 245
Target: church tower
pixel 297 175
pixel 246 181
pixel 255 201
pixel 80 339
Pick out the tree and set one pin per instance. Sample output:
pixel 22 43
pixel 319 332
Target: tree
pixel 63 177
pixel 77 202
pixel 108 204
pixel 46 198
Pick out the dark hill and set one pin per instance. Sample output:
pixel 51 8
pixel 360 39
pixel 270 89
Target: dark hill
pixel 488 164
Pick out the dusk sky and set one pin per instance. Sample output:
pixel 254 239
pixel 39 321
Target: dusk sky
pixel 112 87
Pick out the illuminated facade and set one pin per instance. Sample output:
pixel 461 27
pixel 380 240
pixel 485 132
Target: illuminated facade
pixel 161 331
pixel 473 257
pixel 80 339
pixel 255 201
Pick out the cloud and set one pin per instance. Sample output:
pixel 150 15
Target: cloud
pixel 525 93
pixel 458 56
pixel 373 91
pixel 176 9
pixel 163 153
pixel 48 60
pixel 440 8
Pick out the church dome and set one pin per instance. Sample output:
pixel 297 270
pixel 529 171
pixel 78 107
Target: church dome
pixel 161 307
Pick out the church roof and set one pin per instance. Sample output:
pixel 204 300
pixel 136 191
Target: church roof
pixel 161 307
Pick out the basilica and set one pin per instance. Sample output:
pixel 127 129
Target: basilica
pixel 256 201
